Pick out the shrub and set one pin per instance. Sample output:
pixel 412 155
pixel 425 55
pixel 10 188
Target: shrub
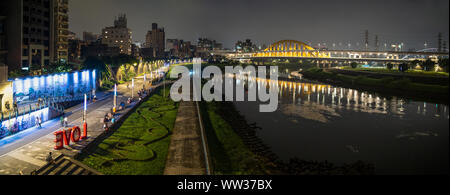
pixel 389 66
pixel 403 67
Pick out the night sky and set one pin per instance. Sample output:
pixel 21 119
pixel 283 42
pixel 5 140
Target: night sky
pixel 412 22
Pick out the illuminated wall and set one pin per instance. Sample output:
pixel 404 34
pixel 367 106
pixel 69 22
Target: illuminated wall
pixel 56 85
pixel 16 125
pixel 6 94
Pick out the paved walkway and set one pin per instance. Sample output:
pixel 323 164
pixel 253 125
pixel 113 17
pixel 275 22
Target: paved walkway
pixel 23 158
pixel 186 156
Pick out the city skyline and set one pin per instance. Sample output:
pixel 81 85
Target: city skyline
pixel 266 21
pixel 224 88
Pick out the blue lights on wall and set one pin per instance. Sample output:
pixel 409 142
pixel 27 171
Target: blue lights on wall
pixel 56 85
pixel 15 125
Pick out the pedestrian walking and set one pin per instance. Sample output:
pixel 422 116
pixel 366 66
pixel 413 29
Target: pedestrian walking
pixel 40 122
pixel 49 158
pixel 61 119
pixel 65 121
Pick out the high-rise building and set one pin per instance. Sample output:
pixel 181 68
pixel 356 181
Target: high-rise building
pixel 118 35
pixel 61 30
pixel 71 36
pixel 156 39
pixel 3 49
pixel 34 29
pixel 97 49
pixel 90 37
pixel 179 48
pixel 205 44
pixel 135 50
pixel 245 46
pixel 75 46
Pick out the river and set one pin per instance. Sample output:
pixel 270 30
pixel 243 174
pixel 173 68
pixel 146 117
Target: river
pixel 323 122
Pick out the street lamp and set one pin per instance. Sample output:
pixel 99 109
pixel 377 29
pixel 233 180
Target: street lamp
pixel 85 108
pixel 132 88
pixel 145 79
pixel 115 98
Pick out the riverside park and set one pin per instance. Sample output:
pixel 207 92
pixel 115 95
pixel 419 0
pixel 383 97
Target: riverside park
pixel 95 88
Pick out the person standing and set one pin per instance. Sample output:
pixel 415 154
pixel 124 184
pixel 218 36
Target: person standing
pixel 105 126
pixel 40 122
pixel 49 158
pixel 65 121
pixel 16 110
pixel 61 119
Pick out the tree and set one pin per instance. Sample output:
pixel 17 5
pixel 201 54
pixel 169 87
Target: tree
pixel 103 70
pixel 414 64
pixel 354 65
pixel 57 68
pixel 389 66
pixel 428 65
pixel 443 63
pixel 403 67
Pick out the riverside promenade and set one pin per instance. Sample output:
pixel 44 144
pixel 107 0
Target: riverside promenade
pixel 26 152
pixel 185 156
pixel 188 150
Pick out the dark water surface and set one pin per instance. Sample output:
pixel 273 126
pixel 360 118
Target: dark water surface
pixel 322 122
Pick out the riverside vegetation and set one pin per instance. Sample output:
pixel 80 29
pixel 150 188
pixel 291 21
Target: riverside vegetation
pixel 140 145
pixel 403 87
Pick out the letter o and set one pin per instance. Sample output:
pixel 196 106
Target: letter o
pixel 76 134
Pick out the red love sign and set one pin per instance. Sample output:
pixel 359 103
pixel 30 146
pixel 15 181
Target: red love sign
pixel 64 137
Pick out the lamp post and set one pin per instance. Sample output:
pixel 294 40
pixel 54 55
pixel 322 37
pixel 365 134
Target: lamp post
pixel 151 78
pixel 145 80
pixel 85 108
pixel 115 98
pixel 132 88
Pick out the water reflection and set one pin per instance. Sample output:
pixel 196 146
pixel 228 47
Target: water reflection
pixel 317 121
pixel 326 97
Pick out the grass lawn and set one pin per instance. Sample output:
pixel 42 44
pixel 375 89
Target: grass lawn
pixel 229 154
pixel 140 145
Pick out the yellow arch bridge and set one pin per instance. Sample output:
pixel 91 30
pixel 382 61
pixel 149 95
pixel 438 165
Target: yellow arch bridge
pixel 292 48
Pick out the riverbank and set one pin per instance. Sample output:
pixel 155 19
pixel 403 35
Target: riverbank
pixel 236 148
pixel 416 76
pixel 140 145
pixel 387 86
pixel 230 152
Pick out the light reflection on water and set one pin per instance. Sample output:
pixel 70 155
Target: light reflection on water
pixel 323 122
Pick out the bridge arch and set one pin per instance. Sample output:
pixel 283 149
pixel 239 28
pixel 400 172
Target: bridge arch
pixel 291 48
